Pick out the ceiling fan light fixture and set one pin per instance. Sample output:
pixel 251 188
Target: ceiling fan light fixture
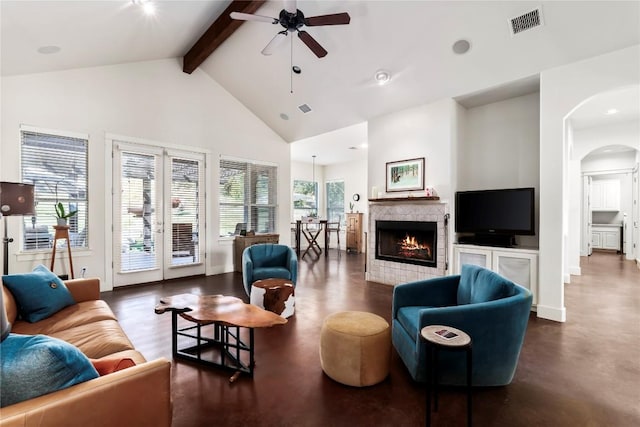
pixel 382 77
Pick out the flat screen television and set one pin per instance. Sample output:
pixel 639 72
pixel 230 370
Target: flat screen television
pixel 495 217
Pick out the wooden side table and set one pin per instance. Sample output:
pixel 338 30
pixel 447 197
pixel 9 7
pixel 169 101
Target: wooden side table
pixel 62 232
pixel 439 337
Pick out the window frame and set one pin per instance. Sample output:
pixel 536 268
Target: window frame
pixel 251 206
pixel 79 227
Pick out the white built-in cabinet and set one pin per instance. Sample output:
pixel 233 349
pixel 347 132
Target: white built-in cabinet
pixel 516 264
pixel 605 195
pixel 606 236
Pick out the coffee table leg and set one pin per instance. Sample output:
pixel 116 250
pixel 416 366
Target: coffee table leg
pixel 174 333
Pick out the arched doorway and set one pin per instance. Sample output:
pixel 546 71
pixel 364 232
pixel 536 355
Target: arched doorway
pixel 604 152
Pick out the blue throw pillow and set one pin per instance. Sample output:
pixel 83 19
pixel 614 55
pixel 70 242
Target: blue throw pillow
pixel 39 294
pixel 33 365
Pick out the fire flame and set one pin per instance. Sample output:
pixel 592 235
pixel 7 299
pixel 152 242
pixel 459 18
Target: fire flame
pixel 411 243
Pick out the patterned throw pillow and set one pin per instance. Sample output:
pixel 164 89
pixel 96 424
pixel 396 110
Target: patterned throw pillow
pixel 39 294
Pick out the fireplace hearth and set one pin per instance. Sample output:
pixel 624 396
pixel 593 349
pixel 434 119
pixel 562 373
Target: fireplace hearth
pixel 409 242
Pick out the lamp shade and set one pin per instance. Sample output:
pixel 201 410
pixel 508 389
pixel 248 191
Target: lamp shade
pixel 16 199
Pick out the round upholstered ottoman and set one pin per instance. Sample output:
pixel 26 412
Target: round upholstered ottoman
pixel 274 295
pixel 355 348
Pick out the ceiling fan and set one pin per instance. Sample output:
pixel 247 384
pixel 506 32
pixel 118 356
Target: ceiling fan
pixel 293 20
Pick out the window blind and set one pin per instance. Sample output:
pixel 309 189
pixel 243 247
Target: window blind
pixel 335 201
pixel 185 203
pixel 248 197
pixel 57 166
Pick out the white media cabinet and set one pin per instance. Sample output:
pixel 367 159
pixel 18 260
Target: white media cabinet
pixel 519 265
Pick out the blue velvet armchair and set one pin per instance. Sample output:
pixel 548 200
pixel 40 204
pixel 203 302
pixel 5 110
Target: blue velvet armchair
pixel 493 310
pixel 268 261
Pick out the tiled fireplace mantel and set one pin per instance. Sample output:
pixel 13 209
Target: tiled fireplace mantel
pixel 409 209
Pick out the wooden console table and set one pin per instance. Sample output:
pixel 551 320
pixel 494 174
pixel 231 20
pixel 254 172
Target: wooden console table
pixel 240 243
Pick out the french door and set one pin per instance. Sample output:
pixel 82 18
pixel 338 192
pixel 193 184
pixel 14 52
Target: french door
pixel 158 214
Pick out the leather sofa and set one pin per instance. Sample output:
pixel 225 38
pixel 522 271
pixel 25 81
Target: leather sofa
pixel 139 395
pixel 493 310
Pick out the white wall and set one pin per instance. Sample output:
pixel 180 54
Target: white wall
pixel 563 89
pixel 354 175
pixel 425 131
pixel 152 100
pixel 500 149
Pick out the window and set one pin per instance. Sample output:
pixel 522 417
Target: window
pixel 305 199
pixel 335 202
pixel 57 165
pixel 248 198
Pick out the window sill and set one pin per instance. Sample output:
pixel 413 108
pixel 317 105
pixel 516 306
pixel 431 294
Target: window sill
pixel 45 255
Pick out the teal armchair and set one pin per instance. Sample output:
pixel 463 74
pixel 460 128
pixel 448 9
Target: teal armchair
pixel 268 261
pixel 490 308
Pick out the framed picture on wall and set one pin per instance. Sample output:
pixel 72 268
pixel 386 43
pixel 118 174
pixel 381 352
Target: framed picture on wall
pixel 405 175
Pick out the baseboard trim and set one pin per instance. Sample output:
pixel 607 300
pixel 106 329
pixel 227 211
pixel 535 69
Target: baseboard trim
pixel 552 313
pixel 575 271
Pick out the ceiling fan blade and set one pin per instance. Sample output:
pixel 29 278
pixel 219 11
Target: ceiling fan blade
pixel 312 44
pixel 333 19
pixel 274 43
pixel 291 6
pixel 249 17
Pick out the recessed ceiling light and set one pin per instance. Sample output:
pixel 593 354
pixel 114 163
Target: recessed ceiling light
pixel 48 50
pixel 608 150
pixel 461 46
pixel 283 116
pixel 353 148
pixel 147 6
pixel 296 69
pixel 611 111
pixel 364 145
pixel 382 77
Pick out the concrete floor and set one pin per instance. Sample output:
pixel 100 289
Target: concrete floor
pixel 582 372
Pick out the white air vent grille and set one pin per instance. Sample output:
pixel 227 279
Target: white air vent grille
pixel 304 108
pixel 526 21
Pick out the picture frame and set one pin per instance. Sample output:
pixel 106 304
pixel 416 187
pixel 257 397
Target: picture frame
pixel 405 175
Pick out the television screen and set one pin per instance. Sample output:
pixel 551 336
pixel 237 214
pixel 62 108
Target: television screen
pixel 508 211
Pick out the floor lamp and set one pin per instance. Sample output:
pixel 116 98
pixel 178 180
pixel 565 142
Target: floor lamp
pixel 15 199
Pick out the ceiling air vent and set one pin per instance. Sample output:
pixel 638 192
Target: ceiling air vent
pixel 526 21
pixel 304 108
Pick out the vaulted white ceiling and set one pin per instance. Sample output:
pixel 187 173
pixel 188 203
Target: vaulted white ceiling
pixel 411 39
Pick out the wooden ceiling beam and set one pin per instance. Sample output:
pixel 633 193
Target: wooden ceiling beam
pixel 217 33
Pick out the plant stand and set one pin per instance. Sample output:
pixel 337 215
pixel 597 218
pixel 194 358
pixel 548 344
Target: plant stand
pixel 62 232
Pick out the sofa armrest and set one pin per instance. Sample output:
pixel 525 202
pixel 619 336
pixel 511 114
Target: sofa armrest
pixel 84 289
pixel 136 396
pixel 437 292
pixel 496 324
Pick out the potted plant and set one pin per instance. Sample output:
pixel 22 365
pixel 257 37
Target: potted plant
pixel 62 215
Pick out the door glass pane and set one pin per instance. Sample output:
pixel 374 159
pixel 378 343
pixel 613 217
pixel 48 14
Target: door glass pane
pixel 138 212
pixel 185 201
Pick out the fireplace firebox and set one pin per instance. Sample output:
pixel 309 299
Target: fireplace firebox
pixel 409 242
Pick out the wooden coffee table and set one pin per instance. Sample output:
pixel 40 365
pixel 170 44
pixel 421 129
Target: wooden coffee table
pixel 220 318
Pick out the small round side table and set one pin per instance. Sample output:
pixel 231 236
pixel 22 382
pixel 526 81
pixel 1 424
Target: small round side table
pixel 440 337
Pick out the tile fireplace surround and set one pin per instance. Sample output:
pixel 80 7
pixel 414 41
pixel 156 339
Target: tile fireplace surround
pixel 393 273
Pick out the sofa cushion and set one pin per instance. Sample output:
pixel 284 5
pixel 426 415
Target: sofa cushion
pixel 271 273
pixel 35 365
pixel 97 339
pixel 39 294
pixel 478 284
pixel 69 317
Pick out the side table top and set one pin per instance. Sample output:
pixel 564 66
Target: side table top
pixel 219 308
pixel 446 336
pixel 272 283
